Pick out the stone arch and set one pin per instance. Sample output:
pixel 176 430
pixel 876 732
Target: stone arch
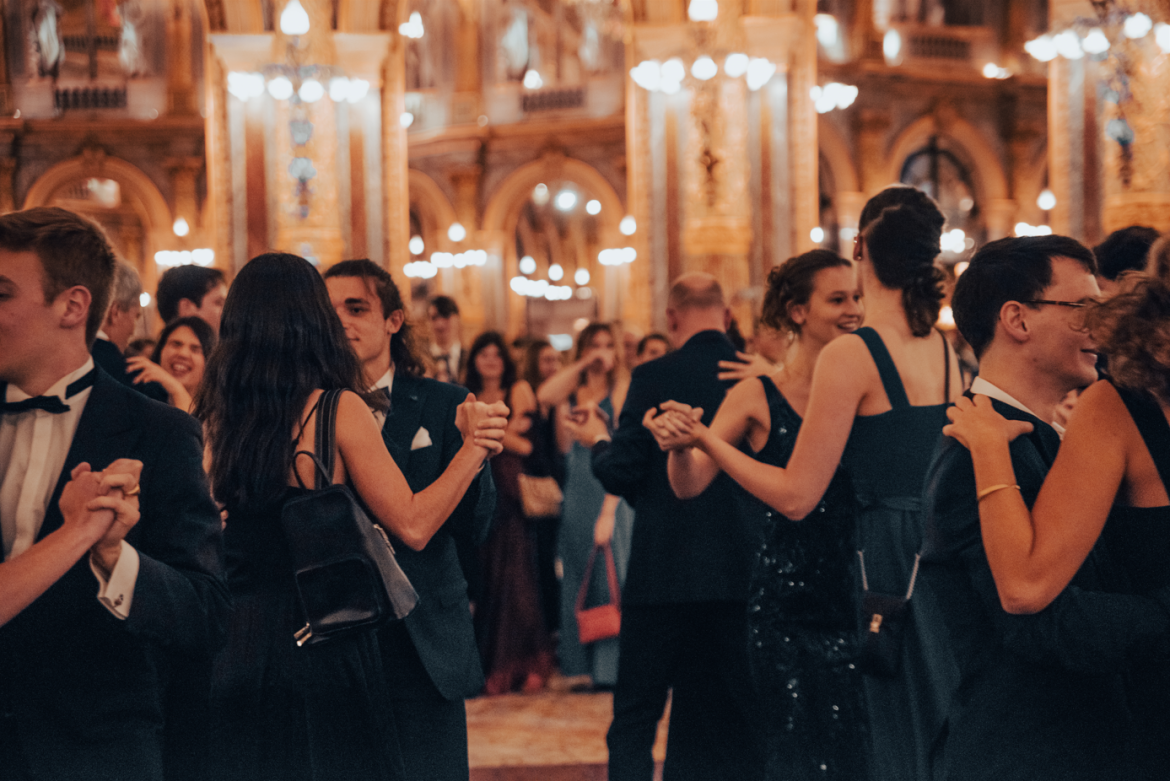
pixel 987 170
pixel 430 203
pixel 138 191
pixel 504 207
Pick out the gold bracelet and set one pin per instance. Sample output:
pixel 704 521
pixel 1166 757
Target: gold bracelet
pixel 986 492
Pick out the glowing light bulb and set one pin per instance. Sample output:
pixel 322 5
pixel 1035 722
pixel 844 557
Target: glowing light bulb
pixel 736 65
pixel 555 272
pixel 144 300
pixel 1137 26
pixel 280 88
pixel 416 245
pixel 581 276
pixel 540 194
pixel 827 29
pixel 311 91
pixel 647 74
pixel 892 47
pixel 456 232
pixel 628 226
pixel 406 119
pixel 703 10
pixel 566 200
pixel 1095 42
pixel 294 20
pixel 413 28
pixel 1042 48
pixel 181 228
pixel 1046 200
pixel 704 68
pixel 532 80
pixel 527 265
pixel 593 207
pixel 817 234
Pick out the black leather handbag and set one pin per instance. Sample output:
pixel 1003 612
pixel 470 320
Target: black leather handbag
pixel 883 623
pixel 346 575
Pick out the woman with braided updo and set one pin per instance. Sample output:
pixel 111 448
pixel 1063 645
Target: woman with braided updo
pixel 876 406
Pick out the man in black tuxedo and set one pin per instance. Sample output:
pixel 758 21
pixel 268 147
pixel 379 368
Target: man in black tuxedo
pixel 684 612
pixel 1040 696
pixel 88 666
pixel 430 658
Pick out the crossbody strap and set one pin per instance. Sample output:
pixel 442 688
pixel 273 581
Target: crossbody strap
pixel 946 368
pixel 1151 424
pixel 913 573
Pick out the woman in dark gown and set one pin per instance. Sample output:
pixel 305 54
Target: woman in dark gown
pixel 876 404
pixel 1110 482
pixel 514 643
pixel 280 711
pixel 802 600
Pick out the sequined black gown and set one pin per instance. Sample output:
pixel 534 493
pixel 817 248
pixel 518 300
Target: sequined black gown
pixel 802 625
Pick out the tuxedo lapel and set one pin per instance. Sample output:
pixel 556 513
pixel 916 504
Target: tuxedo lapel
pixel 402 421
pixel 105 432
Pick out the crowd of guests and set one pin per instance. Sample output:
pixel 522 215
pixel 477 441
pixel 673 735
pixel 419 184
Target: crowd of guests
pixel 856 547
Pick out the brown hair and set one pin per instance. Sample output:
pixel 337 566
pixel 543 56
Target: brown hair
pixel 1133 329
pixel 791 284
pixel 73 251
pixel 404 350
pixel 901 227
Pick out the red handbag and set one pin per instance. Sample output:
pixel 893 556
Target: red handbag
pixel 604 621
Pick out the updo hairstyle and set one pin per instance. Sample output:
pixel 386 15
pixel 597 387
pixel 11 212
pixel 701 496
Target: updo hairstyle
pixel 791 284
pixel 902 227
pixel 1133 327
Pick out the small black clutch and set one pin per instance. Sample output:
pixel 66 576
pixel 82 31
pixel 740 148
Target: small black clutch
pixel 883 624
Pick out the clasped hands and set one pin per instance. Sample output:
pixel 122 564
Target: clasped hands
pixel 102 507
pixel 483 424
pixel 675 426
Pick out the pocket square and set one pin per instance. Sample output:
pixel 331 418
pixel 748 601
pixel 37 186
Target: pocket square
pixel 422 438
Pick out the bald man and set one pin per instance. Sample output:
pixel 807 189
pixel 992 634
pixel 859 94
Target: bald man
pixel 684 605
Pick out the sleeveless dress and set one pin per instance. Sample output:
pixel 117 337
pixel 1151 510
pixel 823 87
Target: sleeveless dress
pixel 1136 545
pixel 281 712
pixel 514 644
pixel 887 456
pixel 802 625
pixel 582 504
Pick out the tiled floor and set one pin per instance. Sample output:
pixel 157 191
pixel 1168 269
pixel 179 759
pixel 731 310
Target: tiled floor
pixel 549 736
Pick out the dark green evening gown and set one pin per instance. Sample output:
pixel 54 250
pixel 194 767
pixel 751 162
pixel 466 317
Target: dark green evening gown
pixel 887 457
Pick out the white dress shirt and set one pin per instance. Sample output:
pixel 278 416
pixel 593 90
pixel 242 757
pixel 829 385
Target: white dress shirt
pixel 984 388
pixel 33 447
pixel 454 353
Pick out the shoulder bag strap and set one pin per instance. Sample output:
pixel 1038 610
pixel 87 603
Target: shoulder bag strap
pixel 325 439
pixel 946 368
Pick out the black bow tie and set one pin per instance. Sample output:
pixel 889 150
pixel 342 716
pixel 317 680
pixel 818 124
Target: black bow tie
pixel 51 404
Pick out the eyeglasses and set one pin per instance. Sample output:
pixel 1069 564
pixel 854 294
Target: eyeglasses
pixel 1069 304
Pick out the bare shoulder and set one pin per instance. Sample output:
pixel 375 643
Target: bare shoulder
pixel 523 396
pixel 847 358
pixel 1100 414
pixel 745 392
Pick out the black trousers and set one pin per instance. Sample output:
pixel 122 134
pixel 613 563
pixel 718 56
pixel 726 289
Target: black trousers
pixel 432 730
pixel 698 650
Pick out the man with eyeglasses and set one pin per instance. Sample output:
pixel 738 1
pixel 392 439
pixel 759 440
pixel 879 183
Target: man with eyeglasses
pixel 1040 696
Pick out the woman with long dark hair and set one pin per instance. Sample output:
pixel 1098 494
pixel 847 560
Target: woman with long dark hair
pixel 514 641
pixel 280 711
pixel 802 603
pixel 876 405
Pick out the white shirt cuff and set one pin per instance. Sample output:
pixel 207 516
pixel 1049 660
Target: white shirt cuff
pixel 117 593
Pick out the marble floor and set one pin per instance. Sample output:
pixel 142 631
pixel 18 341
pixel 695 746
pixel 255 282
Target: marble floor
pixel 550 736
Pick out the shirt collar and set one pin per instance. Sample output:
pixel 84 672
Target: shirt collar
pixel 985 388
pixel 387 381
pixel 57 389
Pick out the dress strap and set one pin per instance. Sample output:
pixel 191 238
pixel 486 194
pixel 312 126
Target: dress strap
pixel 946 368
pixel 771 392
pixel 895 392
pixel 1151 424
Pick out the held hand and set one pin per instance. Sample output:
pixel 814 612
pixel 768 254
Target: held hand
pixel 976 424
pixel 587 423
pixel 746 367
pixel 120 482
pixel 83 487
pixel 482 425
pixel 603 528
pixel 673 429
